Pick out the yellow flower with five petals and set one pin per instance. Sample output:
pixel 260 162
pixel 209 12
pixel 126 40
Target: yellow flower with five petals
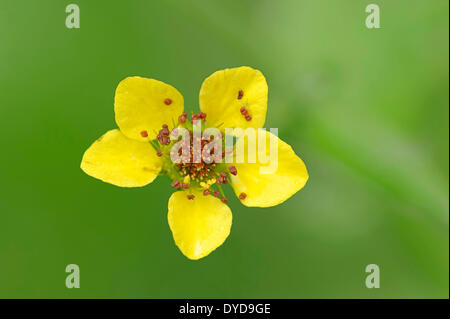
pixel 147 111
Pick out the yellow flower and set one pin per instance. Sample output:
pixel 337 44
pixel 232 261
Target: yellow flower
pixel 149 113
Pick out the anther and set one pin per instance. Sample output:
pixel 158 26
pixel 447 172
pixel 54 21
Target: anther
pixel 216 194
pixel 184 185
pixel 243 196
pixel 223 199
pixel 243 111
pixel 163 136
pixel 240 94
pixel 248 117
pixel 167 101
pixel 206 192
pixel 159 153
pixel 176 184
pixel 144 134
pixel 232 170
pixel 165 132
pixel 190 196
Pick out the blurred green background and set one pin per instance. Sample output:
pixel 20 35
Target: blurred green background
pixel 367 110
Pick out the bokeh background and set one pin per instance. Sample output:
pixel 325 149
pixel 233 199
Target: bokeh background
pixel 367 110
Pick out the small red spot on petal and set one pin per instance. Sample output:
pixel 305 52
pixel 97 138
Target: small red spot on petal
pixel 240 94
pixel 190 197
pixel 206 192
pixel 167 101
pixel 243 196
pixel 144 134
pixel 159 153
pixel 243 111
pixel 248 117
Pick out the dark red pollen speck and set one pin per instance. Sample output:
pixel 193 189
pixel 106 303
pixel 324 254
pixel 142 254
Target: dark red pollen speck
pixel 243 196
pixel 190 196
pixel 240 94
pixel 167 101
pixel 144 134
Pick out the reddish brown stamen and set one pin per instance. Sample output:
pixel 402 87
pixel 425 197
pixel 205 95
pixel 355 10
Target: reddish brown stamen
pixel 216 194
pixel 223 199
pixel 232 170
pixel 163 135
pixel 190 196
pixel 206 192
pixel 243 196
pixel 176 184
pixel 167 101
pixel 159 153
pixel 144 134
pixel 222 179
pixel 240 94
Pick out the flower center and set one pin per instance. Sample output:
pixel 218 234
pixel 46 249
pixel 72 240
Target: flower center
pixel 200 164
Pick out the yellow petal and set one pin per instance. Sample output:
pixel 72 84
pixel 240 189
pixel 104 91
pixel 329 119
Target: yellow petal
pixel 121 161
pixel 265 190
pixel 199 225
pixel 140 106
pixel 219 98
